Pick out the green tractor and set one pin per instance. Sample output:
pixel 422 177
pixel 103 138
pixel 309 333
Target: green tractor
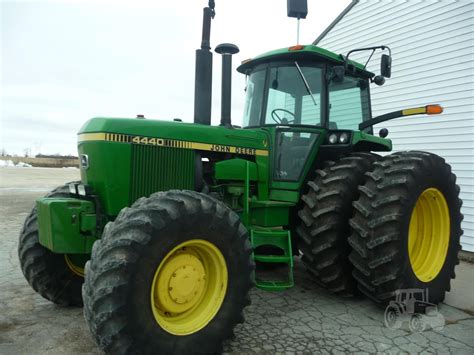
pixel 165 229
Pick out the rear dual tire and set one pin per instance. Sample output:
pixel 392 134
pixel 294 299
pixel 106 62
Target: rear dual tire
pixel 404 225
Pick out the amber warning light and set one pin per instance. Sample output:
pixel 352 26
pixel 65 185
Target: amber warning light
pixel 434 109
pixel 298 47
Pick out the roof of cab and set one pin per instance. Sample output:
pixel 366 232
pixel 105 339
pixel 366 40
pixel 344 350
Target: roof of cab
pixel 305 51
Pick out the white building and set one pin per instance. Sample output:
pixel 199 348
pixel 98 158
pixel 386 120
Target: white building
pixel 432 45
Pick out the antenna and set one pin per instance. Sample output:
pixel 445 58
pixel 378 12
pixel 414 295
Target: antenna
pixel 297 9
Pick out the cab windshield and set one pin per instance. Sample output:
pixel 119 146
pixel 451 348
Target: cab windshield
pixel 293 96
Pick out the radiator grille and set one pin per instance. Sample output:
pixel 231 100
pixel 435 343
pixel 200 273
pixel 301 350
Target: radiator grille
pixel 159 169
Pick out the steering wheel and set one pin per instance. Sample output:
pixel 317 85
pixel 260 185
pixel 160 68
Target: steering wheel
pixel 282 120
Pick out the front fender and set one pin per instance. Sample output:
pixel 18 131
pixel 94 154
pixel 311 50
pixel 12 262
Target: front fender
pixel 364 142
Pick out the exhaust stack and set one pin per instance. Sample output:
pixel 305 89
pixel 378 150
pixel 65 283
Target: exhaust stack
pixel 203 76
pixel 226 50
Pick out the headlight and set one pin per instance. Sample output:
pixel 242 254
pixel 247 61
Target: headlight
pixel 344 138
pixel 72 189
pixel 332 138
pixel 81 190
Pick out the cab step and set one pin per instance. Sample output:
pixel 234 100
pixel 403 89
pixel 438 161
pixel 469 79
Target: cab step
pixel 280 239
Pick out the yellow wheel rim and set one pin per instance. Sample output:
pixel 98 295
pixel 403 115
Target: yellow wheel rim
pixel 428 234
pixel 79 271
pixel 189 287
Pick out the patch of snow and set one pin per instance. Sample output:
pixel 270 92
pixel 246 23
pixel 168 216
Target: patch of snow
pixel 20 164
pixel 30 189
pixel 6 163
pixel 9 163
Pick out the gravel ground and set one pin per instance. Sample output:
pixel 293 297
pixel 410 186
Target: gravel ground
pixel 305 319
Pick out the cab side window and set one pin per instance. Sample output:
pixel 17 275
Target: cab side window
pixel 348 103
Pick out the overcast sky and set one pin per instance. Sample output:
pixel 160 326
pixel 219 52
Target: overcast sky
pixel 63 62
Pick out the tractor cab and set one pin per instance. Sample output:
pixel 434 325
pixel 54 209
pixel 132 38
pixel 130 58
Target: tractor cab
pixel 303 86
pixel 306 98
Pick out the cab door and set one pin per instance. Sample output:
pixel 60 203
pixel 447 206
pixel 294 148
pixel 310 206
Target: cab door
pixel 293 155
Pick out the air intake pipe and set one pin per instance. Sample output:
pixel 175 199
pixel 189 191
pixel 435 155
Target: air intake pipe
pixel 226 50
pixel 203 77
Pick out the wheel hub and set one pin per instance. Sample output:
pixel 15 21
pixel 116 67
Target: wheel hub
pixel 189 287
pixel 185 283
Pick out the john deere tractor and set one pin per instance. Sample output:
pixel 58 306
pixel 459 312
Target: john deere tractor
pixel 164 229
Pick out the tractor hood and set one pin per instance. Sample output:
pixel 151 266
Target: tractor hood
pixel 123 159
pixel 175 134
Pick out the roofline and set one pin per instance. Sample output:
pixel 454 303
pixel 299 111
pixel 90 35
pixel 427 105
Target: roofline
pixel 336 21
pixel 284 53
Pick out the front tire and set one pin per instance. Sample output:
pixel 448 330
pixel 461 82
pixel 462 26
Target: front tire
pixel 56 277
pixel 406 227
pixel 171 274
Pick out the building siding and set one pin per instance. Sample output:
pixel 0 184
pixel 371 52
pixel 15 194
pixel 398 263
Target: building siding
pixel 432 46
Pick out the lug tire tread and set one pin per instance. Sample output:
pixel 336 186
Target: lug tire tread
pixel 325 214
pixel 378 256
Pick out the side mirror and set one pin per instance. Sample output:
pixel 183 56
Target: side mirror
pixel 386 66
pixel 338 73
